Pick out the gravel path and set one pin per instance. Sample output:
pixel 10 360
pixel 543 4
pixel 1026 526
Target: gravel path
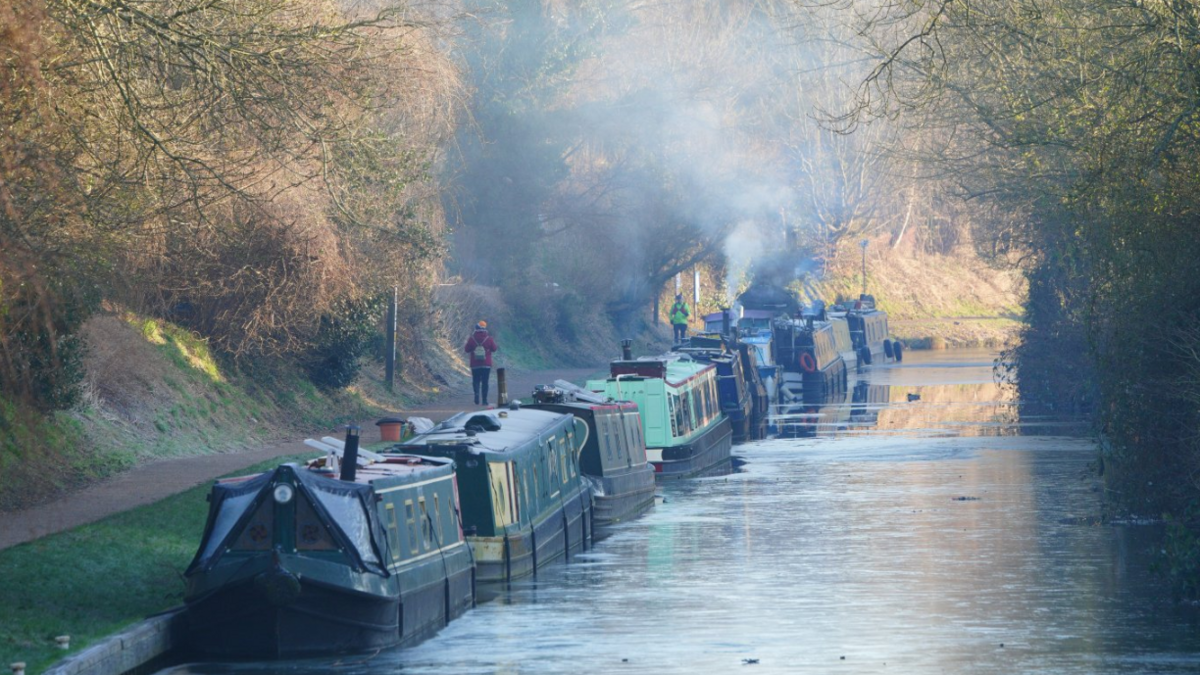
pixel 151 482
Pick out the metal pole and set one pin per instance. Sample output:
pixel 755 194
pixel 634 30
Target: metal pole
pixel 695 288
pixel 863 244
pixel 390 358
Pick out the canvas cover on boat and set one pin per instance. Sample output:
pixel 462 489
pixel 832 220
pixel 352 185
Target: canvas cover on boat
pixel 349 506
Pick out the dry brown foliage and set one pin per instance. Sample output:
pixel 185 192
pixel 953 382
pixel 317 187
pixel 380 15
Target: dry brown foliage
pixel 250 165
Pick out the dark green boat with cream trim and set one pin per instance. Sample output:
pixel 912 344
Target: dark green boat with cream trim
pixel 306 560
pixel 613 460
pixel 524 502
pixel 686 433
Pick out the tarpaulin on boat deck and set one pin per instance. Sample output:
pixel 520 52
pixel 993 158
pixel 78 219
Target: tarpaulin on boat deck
pixel 227 504
pixel 351 507
pixel 347 506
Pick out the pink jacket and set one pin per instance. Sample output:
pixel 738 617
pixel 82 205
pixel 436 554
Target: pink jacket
pixel 481 338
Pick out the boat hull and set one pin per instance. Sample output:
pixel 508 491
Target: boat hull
pixel 238 621
pixel 706 454
pixel 815 387
pixel 622 497
pixel 522 551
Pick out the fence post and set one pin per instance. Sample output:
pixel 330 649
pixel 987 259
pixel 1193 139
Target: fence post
pixel 390 358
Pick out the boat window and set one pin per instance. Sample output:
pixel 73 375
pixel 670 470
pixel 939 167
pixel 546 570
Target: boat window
pixel 437 517
pixel 602 422
pixel 552 461
pixel 562 458
pixel 311 534
pixel 629 421
pixel 673 411
pixel 426 526
pixel 410 519
pixel 503 497
pixel 259 533
pixel 393 532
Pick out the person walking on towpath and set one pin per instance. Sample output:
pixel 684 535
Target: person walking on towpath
pixel 679 317
pixel 481 346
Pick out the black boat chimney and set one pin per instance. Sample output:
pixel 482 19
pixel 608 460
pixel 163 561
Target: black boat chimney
pixel 501 388
pixel 725 321
pixel 627 349
pixel 350 453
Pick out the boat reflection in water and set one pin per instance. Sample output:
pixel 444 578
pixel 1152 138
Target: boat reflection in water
pixel 855 410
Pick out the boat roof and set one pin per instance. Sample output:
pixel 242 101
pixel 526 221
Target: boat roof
pixel 585 405
pixel 676 368
pixel 488 431
pixel 412 467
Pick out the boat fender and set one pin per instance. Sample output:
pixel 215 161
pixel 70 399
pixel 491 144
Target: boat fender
pixel 279 587
pixel 807 362
pixel 887 349
pixel 899 350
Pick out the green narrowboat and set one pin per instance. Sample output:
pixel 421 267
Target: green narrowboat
pixel 686 433
pixel 524 502
pixel 304 561
pixel 613 459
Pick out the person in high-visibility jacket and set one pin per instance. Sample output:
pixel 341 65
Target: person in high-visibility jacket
pixel 679 317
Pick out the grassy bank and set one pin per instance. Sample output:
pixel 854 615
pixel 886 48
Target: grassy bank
pixel 933 301
pixel 154 391
pixel 98 579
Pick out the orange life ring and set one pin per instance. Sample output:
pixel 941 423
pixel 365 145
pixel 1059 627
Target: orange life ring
pixel 807 362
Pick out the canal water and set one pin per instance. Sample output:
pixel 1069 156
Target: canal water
pixel 922 525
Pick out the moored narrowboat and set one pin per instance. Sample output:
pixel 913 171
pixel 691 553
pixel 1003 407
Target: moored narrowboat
pixel 524 502
pixel 306 560
pixel 813 370
pixel 868 327
pixel 741 392
pixel 686 433
pixel 752 329
pixel 613 459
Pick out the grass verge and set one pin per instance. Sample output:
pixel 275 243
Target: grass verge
pixel 98 579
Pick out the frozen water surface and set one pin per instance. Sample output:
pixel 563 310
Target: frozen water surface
pixel 944 534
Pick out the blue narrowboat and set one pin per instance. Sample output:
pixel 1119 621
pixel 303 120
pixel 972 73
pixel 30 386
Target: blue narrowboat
pixel 741 392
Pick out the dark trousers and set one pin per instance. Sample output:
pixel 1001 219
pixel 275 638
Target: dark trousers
pixel 680 331
pixel 479 383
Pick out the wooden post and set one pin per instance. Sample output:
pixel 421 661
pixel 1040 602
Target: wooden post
pixel 501 388
pixel 390 358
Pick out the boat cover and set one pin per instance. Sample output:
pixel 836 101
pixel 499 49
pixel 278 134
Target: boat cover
pixel 348 506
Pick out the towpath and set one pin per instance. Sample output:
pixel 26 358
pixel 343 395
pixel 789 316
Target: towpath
pixel 149 483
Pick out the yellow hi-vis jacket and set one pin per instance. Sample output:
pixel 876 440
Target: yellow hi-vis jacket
pixel 679 312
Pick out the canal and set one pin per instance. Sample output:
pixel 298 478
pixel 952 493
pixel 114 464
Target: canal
pixel 923 525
